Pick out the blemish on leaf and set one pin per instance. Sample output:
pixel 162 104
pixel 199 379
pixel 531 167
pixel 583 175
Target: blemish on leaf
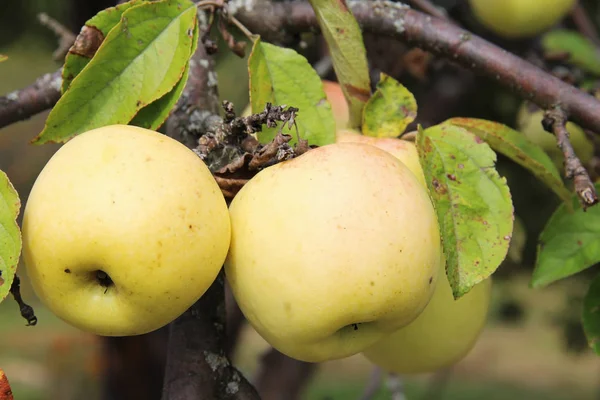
pixel 87 42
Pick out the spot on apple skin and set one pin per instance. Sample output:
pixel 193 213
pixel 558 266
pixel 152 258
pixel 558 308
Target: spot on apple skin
pixel 67 271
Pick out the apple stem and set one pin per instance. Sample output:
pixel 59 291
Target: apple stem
pixel 555 121
pixel 27 311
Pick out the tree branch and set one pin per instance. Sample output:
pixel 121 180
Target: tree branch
pixel 197 366
pixel 282 377
pixel 25 103
pixel 555 121
pixel 283 22
pixel 437 36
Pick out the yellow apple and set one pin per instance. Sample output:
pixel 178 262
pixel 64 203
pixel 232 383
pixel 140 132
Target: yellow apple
pixel 516 19
pixel 403 150
pixel 124 229
pixel 332 250
pixel 442 335
pixel 529 122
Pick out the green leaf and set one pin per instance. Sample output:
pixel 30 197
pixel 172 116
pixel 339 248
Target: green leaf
pixel 472 201
pixel 591 315
pixel 3 57
pixel 140 60
pixel 10 235
pixel 348 54
pixel 156 113
pixel 283 77
pixel 90 38
pixel 582 52
pixel 569 243
pixel 518 148
pixel 389 111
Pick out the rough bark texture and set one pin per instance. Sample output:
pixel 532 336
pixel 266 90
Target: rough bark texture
pixel 25 103
pixel 197 366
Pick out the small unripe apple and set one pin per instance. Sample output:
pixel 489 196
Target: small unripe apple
pixel 529 122
pixel 443 334
pixel 333 250
pixel 517 19
pixel 403 150
pixel 124 229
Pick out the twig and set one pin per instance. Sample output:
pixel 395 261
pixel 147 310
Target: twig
pixel 280 21
pixel 5 390
pixel 66 38
pixel 25 103
pixel 584 24
pixel 26 310
pixel 555 121
pixel 395 384
pixel 373 385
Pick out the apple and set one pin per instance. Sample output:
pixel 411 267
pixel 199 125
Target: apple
pixel 403 150
pixel 124 229
pixel 518 19
pixel 529 122
pixel 332 250
pixel 339 105
pixel 443 334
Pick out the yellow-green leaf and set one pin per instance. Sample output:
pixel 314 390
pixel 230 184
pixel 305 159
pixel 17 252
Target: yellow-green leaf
pixel 348 54
pixel 141 60
pixel 281 76
pixel 389 111
pixel 10 235
pixel 518 148
pixel 472 201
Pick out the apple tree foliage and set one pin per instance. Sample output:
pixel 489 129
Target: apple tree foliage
pixel 130 63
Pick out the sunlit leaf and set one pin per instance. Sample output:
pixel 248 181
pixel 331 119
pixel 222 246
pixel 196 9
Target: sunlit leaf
pixel 281 76
pixel 140 61
pixel 472 201
pixel 89 39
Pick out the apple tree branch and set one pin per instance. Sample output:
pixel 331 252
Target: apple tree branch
pixel 197 366
pixel 555 121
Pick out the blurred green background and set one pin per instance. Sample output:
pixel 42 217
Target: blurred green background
pixel 532 347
